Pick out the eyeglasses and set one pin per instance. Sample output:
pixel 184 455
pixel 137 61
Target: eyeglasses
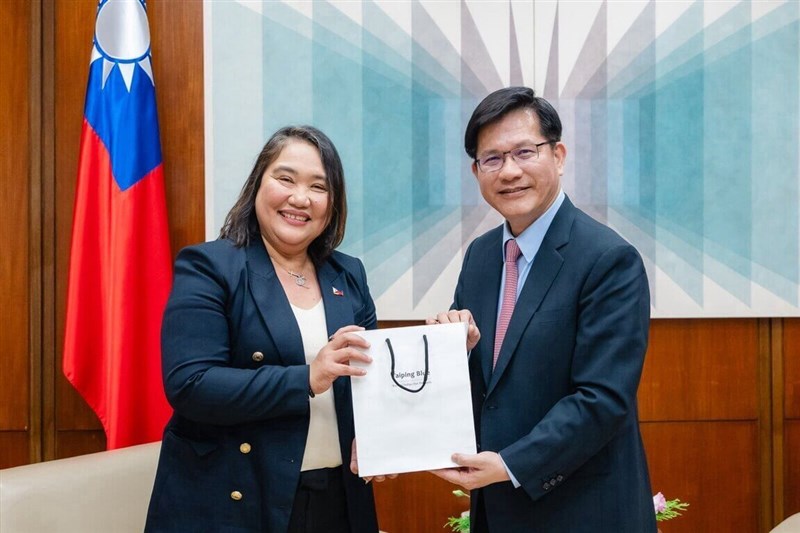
pixel 521 155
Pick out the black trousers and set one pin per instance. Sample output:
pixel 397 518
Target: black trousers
pixel 479 524
pixel 320 504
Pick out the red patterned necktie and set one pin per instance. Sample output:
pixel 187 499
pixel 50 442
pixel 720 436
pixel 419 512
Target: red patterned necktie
pixel 509 297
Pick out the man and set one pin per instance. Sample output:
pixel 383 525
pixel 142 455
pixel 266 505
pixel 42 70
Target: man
pixel 557 338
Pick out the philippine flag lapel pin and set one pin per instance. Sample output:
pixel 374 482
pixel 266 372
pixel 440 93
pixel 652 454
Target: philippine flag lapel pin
pixel 337 292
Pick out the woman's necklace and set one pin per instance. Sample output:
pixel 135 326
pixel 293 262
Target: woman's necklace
pixel 299 279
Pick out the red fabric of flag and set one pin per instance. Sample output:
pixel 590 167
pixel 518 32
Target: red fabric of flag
pixel 120 264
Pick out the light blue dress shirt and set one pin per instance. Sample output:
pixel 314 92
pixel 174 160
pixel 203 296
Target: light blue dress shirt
pixel 529 242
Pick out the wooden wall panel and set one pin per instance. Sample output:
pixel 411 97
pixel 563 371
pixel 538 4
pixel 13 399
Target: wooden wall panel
pixel 177 33
pixel 713 466
pixel 701 370
pixel 13 448
pixel 416 503
pixel 79 442
pixel 791 367
pixel 704 377
pixel 791 499
pixel 73 38
pixel 15 197
pixel 791 422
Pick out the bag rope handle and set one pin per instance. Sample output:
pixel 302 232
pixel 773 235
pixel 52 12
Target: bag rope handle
pixel 425 376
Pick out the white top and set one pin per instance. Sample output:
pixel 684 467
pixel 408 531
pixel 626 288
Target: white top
pixel 322 443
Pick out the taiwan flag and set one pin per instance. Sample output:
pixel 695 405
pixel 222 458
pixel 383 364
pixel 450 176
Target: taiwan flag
pixel 120 265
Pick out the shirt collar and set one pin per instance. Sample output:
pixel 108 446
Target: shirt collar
pixel 531 238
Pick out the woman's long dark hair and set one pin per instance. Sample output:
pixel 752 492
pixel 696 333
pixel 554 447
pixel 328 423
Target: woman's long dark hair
pixel 241 223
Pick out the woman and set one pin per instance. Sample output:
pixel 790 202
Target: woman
pixel 259 326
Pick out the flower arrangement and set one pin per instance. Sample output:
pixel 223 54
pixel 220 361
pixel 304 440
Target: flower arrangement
pixel 667 509
pixel 459 524
pixel 664 509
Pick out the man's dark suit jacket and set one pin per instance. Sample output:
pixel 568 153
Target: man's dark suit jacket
pixel 235 373
pixel 560 406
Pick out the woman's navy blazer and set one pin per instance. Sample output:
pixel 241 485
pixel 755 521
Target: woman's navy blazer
pixel 235 373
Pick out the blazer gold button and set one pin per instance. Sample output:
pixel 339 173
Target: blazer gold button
pixel 245 447
pixel 258 357
pixel 236 495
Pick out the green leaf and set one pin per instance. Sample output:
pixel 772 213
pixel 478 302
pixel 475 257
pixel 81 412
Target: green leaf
pixel 459 524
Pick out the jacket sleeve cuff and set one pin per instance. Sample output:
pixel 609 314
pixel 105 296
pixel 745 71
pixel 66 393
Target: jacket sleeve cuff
pixel 514 481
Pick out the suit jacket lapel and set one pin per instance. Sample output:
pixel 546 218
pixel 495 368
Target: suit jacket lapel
pixel 543 272
pixel 338 309
pixel 273 305
pixel 338 313
pixel 491 272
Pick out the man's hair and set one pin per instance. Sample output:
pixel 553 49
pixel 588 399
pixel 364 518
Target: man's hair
pixel 241 223
pixel 502 102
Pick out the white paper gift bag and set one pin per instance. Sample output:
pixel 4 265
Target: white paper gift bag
pixel 413 409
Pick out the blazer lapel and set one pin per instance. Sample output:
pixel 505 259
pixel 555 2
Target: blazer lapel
pixel 338 308
pixel 273 305
pixel 545 268
pixel 491 272
pixel 338 313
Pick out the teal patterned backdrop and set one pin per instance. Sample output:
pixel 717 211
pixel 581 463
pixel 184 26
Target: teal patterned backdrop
pixel 681 121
